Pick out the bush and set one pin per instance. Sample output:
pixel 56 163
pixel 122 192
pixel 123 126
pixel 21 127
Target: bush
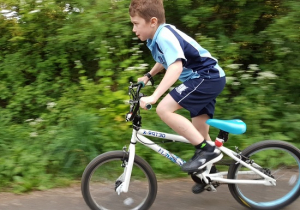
pixel 65 69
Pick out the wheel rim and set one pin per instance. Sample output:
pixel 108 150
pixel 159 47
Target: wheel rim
pixel 101 186
pixel 286 172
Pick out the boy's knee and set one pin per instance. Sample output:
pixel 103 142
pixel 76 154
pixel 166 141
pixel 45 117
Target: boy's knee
pixel 160 111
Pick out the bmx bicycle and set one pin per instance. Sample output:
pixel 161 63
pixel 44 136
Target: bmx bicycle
pixel 263 176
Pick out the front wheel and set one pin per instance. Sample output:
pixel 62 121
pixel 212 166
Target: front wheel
pixel 277 159
pixel 104 174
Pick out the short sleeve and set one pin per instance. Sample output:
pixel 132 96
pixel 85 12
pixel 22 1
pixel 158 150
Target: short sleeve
pixel 170 47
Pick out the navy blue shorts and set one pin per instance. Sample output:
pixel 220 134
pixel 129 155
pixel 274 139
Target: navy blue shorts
pixel 198 95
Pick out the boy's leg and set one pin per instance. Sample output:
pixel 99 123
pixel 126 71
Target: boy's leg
pixel 178 123
pixel 204 153
pixel 200 124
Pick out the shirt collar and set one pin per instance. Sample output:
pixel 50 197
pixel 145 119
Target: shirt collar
pixel 151 42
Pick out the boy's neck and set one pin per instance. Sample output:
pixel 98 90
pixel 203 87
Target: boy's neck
pixel 155 30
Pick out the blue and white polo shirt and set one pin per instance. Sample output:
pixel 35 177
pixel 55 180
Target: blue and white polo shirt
pixel 170 44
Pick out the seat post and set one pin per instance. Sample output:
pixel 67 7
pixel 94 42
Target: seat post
pixel 222 137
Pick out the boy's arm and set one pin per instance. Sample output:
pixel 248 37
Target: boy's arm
pixel 171 76
pixel 156 68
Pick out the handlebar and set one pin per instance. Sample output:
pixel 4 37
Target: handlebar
pixel 135 101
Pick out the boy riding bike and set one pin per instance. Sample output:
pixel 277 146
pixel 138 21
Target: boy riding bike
pixel 184 59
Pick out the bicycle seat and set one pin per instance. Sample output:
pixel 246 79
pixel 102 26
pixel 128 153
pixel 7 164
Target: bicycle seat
pixel 235 126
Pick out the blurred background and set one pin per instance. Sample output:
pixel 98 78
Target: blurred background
pixel 65 67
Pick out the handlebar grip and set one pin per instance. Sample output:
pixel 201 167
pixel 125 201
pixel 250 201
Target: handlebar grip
pixel 148 106
pixel 142 83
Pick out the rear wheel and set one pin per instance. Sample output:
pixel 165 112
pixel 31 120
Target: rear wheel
pixel 276 159
pixel 103 175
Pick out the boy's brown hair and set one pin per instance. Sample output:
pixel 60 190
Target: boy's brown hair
pixel 148 9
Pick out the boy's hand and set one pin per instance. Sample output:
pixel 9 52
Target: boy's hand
pixel 147 100
pixel 144 79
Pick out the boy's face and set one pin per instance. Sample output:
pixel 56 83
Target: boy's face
pixel 142 29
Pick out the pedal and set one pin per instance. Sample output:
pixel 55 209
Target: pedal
pixel 198 188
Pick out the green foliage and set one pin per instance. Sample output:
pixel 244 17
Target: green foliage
pixel 65 68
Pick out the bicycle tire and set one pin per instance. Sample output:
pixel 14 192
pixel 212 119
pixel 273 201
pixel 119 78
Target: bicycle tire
pixel 271 199
pixel 116 200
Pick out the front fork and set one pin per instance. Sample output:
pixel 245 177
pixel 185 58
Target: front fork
pixel 128 166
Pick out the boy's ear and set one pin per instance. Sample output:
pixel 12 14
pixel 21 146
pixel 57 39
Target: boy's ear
pixel 153 21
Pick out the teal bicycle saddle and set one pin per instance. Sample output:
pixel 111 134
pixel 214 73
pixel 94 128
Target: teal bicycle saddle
pixel 234 126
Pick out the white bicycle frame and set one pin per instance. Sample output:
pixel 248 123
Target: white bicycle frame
pixel 139 136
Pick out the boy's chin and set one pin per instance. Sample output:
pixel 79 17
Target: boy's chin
pixel 142 39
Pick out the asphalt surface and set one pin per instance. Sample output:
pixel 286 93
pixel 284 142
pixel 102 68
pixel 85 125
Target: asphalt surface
pixel 172 194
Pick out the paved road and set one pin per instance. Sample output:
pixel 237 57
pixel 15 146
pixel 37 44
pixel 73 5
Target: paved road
pixel 172 195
